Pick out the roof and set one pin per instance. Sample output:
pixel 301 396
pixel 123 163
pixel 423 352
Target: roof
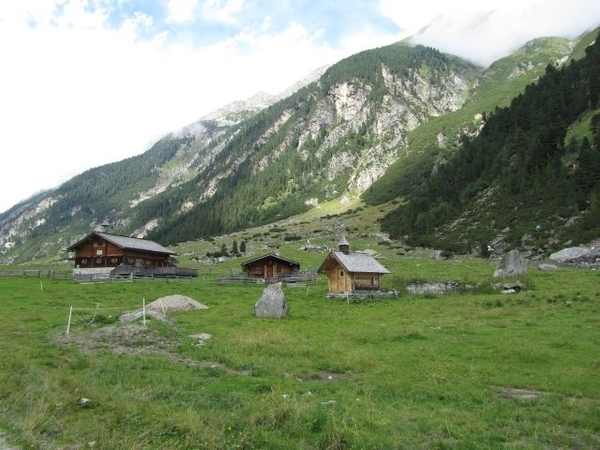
pixel 355 262
pixel 127 243
pixel 274 256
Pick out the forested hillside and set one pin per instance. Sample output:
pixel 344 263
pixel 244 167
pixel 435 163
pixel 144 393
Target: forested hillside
pixel 534 167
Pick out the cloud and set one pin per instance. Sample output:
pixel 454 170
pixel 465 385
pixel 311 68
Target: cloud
pixel 486 31
pixel 180 11
pixel 224 11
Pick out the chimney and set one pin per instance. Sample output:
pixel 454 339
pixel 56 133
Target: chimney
pixel 102 228
pixel 343 245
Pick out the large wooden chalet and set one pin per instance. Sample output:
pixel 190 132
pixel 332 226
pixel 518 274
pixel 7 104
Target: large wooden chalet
pixel 109 250
pixel 350 272
pixel 100 255
pixel 270 266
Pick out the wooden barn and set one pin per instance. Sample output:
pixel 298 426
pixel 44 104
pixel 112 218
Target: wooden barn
pixel 270 266
pixel 351 271
pixel 109 250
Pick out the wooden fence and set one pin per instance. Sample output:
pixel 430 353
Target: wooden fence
pixel 52 274
pixel 130 273
pixel 153 272
pixel 301 279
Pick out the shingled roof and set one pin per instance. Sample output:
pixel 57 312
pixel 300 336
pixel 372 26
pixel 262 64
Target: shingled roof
pixel 355 262
pixel 126 243
pixel 274 256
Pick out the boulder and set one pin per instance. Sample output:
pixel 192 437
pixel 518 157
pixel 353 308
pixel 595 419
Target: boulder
pixel 548 267
pixel 442 287
pixel 572 254
pixel 272 302
pixel 512 264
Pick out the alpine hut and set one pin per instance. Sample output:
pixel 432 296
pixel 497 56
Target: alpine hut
pixel 351 272
pixel 270 266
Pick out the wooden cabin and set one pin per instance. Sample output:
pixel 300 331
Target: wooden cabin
pixel 351 271
pixel 270 266
pixel 98 250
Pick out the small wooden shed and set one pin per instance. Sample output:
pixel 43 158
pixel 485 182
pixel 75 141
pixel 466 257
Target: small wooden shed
pixel 270 266
pixel 351 271
pixel 110 250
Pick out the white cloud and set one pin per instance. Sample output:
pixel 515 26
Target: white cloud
pixel 486 31
pixel 181 11
pixel 224 11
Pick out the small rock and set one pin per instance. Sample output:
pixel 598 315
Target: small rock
pixel 202 337
pixel 85 402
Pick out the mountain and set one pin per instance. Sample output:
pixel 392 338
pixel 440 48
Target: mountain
pixel 530 179
pixel 375 125
pixel 237 111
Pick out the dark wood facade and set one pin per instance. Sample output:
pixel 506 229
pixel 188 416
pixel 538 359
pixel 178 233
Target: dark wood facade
pixel 270 266
pixel 109 250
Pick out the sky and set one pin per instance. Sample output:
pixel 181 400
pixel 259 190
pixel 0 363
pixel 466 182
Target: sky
pixel 88 82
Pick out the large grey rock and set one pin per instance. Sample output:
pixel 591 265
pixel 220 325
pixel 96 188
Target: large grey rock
pixel 272 302
pixel 512 264
pixel 571 254
pixel 548 267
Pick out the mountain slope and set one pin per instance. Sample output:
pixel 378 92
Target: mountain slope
pixel 330 138
pixel 533 172
pixel 434 142
pixel 399 106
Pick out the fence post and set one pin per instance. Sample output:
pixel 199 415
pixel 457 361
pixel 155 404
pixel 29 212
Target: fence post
pixel 69 319
pixel 144 311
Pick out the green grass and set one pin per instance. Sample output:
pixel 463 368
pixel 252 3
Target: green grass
pixel 423 372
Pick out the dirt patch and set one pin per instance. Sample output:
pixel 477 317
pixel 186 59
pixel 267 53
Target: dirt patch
pixel 209 365
pixel 121 339
pixel 329 376
pixel 526 395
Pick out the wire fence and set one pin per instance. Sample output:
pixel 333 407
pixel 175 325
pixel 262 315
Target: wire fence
pixel 204 275
pixel 29 273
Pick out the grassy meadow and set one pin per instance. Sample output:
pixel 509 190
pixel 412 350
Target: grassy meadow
pixel 474 370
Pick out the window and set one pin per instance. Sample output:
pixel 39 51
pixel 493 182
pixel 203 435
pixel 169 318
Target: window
pixel 99 252
pixel 341 273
